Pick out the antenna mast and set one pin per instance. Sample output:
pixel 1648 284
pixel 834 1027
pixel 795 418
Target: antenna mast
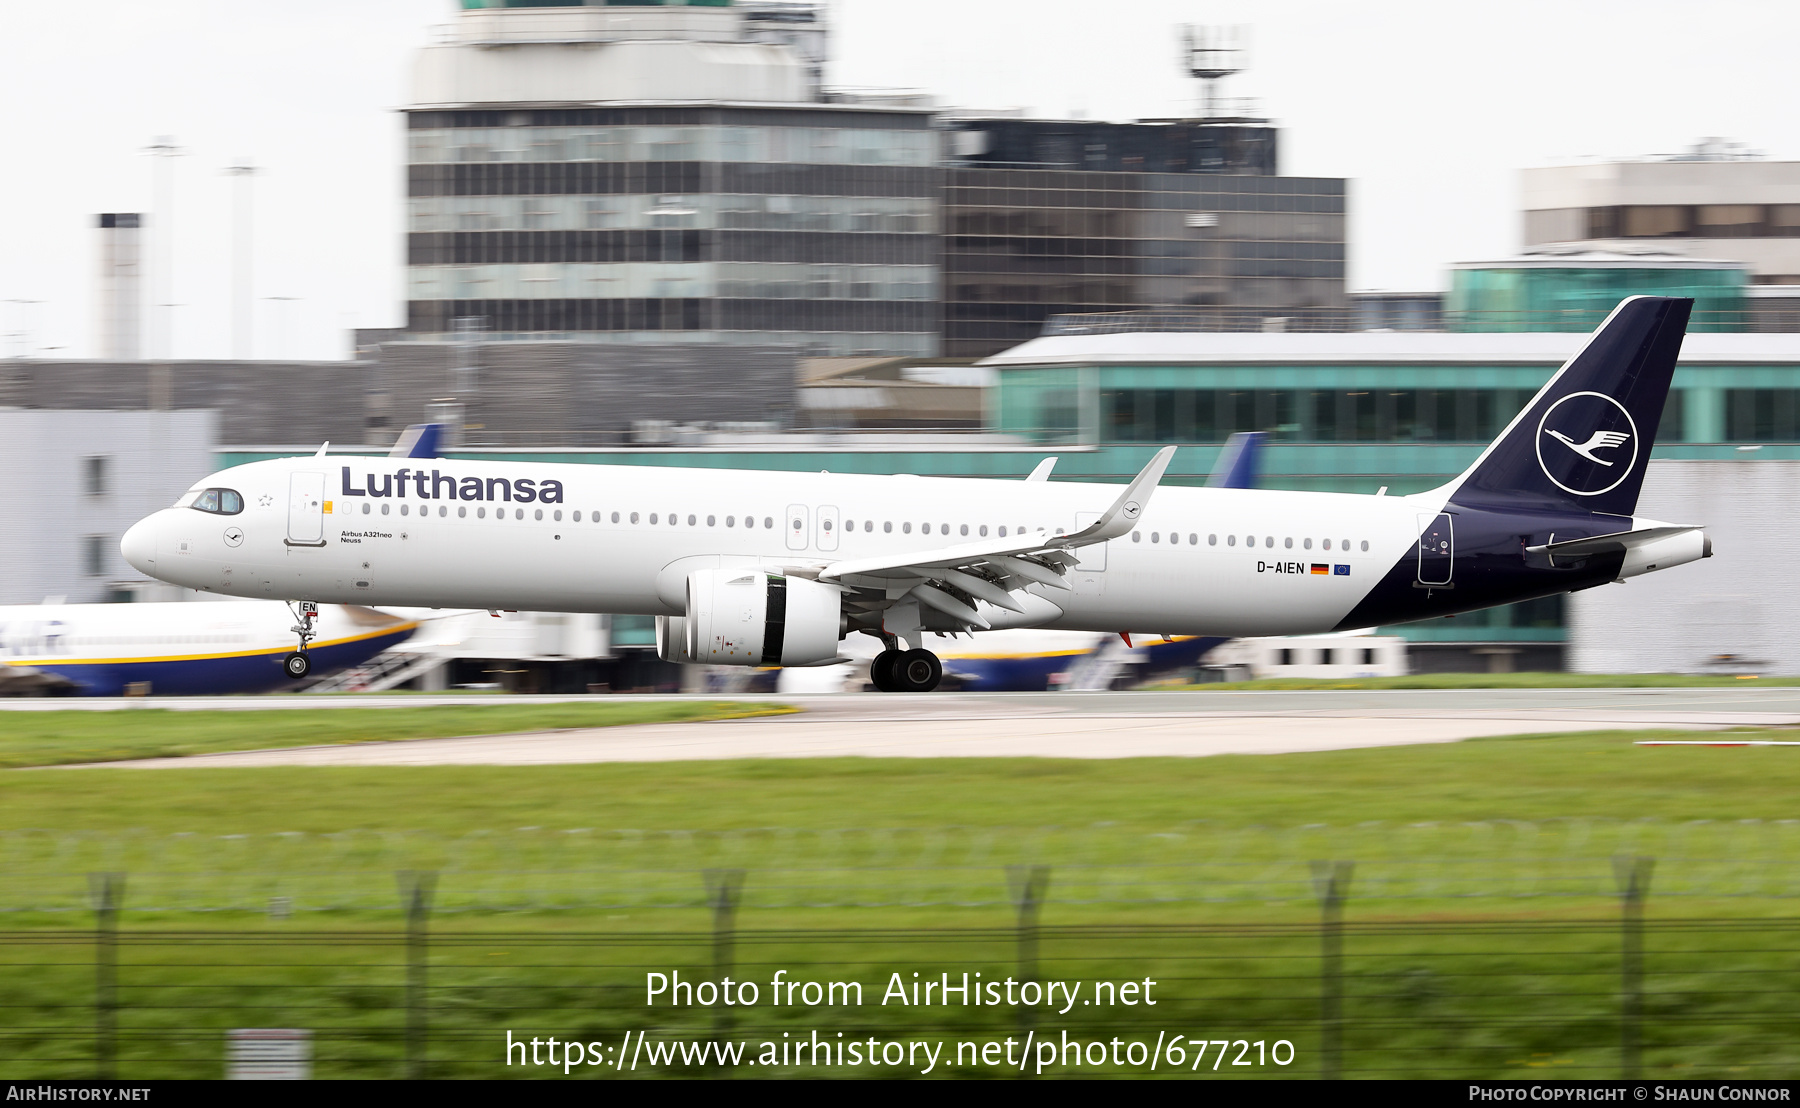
pixel 1210 54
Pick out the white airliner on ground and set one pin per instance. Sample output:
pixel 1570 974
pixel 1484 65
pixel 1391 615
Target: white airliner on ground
pixel 755 568
pixel 192 649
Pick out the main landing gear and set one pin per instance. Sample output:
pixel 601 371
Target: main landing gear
pixel 298 664
pixel 906 670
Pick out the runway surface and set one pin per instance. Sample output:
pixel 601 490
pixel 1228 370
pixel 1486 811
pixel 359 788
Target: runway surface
pixel 1057 725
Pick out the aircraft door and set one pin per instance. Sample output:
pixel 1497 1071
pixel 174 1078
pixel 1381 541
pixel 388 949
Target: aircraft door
pixel 796 527
pixel 1093 556
pixel 1437 549
pixel 826 523
pixel 306 509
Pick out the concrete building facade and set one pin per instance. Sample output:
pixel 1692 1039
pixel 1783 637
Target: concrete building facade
pixel 1732 613
pixel 76 480
pixel 662 174
pixel 120 288
pixel 1703 206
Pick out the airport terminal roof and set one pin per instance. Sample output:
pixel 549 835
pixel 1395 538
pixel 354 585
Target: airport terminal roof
pixel 1383 347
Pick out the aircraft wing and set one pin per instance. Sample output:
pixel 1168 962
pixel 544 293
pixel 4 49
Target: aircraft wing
pixel 951 579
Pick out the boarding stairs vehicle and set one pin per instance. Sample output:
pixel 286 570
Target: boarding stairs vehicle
pixel 387 670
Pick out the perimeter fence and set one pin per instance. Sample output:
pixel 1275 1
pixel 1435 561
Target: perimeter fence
pixel 1099 866
pixel 1486 949
pixel 1609 996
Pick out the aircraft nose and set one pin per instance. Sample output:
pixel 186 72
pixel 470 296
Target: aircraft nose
pixel 139 546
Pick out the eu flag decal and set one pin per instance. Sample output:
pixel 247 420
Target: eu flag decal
pixel 1341 571
pixel 1320 570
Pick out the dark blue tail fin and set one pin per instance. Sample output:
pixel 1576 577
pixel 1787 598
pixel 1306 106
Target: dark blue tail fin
pixel 1237 465
pixel 418 441
pixel 1585 439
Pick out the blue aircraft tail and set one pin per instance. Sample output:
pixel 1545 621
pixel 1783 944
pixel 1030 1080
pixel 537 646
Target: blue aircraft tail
pixel 1237 464
pixel 418 441
pixel 1583 442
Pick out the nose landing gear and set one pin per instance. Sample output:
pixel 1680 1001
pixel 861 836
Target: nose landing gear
pixel 298 664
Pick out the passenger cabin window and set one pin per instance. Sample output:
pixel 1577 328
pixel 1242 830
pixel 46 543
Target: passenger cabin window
pixel 218 502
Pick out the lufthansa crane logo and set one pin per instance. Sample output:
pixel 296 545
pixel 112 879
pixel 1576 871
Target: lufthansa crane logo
pixel 1587 443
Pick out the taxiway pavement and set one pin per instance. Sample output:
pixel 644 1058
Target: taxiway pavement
pixel 1052 725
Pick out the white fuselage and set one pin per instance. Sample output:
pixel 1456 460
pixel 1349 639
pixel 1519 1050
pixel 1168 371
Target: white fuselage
pixel 623 539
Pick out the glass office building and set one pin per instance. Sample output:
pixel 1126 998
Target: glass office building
pixel 664 174
pixel 798 226
pixel 1234 252
pixel 1045 217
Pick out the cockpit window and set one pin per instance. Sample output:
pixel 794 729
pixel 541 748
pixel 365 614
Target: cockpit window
pixel 219 502
pixel 188 498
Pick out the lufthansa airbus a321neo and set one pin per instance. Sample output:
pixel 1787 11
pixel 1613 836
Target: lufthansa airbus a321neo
pixel 765 569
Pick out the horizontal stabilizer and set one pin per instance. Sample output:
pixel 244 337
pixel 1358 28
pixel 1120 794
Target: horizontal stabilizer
pixel 1610 544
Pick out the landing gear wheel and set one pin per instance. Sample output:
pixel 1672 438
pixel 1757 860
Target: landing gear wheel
pixel 881 671
pixel 918 671
pixel 297 664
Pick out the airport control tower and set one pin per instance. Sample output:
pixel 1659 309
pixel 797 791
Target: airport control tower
pixel 664 173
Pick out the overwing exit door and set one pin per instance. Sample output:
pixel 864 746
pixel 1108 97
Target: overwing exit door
pixel 796 527
pixel 1093 555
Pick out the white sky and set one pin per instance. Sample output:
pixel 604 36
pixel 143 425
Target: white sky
pixel 1430 107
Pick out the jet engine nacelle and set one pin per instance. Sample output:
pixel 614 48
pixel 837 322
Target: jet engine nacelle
pixel 757 617
pixel 671 639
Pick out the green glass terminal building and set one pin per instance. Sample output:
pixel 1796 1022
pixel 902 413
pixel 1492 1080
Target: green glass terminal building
pixel 1574 290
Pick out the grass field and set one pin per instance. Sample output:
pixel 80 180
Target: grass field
pixel 1482 941
pixel 1589 775
pixel 62 738
pixel 1500 681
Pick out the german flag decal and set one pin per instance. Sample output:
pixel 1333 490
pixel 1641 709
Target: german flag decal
pixel 1321 570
